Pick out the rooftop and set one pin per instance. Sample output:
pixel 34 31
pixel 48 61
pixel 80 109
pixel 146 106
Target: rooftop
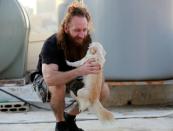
pixel 127 118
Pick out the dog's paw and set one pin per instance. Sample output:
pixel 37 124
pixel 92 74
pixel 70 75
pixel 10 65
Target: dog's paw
pixel 83 104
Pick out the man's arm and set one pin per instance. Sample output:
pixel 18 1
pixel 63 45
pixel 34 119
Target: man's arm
pixel 54 77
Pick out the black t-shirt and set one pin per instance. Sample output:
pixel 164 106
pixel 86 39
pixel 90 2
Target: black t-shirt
pixel 52 54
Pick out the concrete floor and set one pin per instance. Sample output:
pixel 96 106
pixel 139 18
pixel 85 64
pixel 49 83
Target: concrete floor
pixel 127 119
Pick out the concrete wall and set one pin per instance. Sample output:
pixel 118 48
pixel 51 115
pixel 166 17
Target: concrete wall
pixel 119 96
pixel 33 52
pixel 34 47
pixel 140 95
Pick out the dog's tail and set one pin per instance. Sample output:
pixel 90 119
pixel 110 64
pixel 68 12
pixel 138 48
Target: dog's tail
pixel 103 114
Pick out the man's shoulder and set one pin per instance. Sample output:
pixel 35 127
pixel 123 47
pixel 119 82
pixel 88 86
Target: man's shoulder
pixel 51 39
pixel 50 42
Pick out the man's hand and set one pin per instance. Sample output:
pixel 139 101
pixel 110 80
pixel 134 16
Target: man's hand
pixel 89 67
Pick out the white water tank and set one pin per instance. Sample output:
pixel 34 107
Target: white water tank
pixel 137 35
pixel 14 34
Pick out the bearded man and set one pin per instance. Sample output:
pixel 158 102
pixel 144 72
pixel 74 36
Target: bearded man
pixel 70 43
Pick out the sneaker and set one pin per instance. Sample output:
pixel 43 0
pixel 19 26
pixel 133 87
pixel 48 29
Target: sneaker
pixel 73 126
pixel 62 126
pixel 71 121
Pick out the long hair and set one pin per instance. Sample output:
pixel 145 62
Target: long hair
pixel 73 53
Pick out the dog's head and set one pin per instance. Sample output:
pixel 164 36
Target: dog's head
pixel 98 51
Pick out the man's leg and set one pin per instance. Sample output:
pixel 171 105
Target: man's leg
pixel 74 86
pixel 57 103
pixel 70 115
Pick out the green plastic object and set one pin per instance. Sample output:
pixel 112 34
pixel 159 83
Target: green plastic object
pixel 14 34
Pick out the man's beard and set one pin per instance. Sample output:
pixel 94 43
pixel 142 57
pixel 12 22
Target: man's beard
pixel 74 50
pixel 75 41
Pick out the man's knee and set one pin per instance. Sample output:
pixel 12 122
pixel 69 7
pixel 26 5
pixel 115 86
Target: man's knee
pixel 55 91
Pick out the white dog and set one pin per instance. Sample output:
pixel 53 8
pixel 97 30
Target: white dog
pixel 88 97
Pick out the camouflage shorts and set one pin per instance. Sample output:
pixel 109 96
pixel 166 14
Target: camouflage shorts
pixel 41 88
pixel 43 93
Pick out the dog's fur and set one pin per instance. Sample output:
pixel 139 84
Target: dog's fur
pixel 88 97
